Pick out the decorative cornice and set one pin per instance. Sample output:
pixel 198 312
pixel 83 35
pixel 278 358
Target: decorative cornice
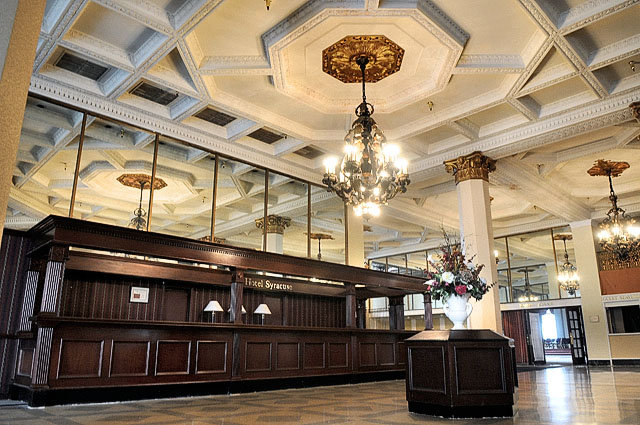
pixel 470 167
pixel 275 223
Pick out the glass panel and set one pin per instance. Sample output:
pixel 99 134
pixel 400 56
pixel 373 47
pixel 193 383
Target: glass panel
pixel 377 264
pixel 532 263
pixel 45 164
pixel 183 191
pixel 503 272
pixel 288 200
pixel 116 162
pixel 417 262
pixel 240 201
pixel 397 264
pixel 327 221
pixel 555 291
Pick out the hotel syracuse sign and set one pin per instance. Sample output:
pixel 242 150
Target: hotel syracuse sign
pixel 267 284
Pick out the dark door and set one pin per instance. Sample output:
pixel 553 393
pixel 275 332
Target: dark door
pixel 576 335
pixel 176 305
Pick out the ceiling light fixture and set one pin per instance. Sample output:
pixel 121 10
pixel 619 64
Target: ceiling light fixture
pixel 618 233
pixel 568 278
pixel 142 182
pixel 371 173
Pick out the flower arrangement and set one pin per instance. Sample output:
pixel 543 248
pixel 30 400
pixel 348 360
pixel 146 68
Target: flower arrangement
pixel 454 274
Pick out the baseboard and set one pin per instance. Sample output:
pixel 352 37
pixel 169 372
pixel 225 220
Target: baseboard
pixel 599 363
pixel 626 362
pixel 58 396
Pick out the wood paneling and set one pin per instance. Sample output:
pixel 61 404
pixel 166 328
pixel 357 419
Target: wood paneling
pixel 429 379
pixel 314 357
pixel 175 304
pixel 338 354
pixel 287 356
pixel 258 356
pixel 13 266
pixel 620 281
pixel 80 358
pixel 211 356
pixel 129 358
pixel 367 352
pixel 25 361
pixel 385 354
pixel 479 370
pixel 173 357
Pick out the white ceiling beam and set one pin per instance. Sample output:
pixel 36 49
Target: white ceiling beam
pixel 235 65
pixel 489 64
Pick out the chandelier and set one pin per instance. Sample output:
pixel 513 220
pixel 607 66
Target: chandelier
pixel 371 173
pixel 528 296
pixel 618 233
pixel 568 276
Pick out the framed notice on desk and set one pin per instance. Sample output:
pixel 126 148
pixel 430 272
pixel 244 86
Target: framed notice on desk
pixel 139 295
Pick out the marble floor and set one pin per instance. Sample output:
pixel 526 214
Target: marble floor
pixel 563 395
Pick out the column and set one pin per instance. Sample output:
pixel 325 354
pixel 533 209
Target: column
pixel 355 238
pixel 275 231
pixel 593 313
pixel 361 313
pixel 20 22
pixel 396 313
pixel 471 173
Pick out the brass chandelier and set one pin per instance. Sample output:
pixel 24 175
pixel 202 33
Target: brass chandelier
pixel 568 278
pixel 371 173
pixel 618 233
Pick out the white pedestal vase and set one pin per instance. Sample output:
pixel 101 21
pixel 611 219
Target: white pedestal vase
pixel 457 308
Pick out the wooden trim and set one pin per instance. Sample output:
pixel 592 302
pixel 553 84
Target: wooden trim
pixel 265 208
pixel 77 170
pixel 308 220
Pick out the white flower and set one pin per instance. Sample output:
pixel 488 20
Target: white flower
pixel 448 277
pixel 469 287
pixel 430 258
pixel 483 280
pixel 430 282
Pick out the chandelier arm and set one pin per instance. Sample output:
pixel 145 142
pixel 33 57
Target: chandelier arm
pixel 142 183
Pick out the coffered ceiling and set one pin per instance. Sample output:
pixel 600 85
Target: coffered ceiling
pixel 541 85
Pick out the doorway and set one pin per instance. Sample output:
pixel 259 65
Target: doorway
pixel 551 336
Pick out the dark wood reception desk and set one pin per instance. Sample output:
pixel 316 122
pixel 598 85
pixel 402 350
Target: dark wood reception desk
pixel 112 313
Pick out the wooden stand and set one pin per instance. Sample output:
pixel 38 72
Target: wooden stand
pixel 461 373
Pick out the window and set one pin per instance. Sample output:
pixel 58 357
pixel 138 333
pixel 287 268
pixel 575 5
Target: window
pixel 624 319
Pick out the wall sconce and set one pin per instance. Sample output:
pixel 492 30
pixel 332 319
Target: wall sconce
pixel 262 310
pixel 213 307
pixel 496 253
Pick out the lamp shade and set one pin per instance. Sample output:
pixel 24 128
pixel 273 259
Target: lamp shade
pixel 213 306
pixel 263 309
pixel 243 310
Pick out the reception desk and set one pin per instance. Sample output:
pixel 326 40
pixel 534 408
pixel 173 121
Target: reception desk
pixel 115 314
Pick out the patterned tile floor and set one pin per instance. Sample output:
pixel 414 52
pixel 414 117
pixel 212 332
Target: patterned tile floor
pixel 563 395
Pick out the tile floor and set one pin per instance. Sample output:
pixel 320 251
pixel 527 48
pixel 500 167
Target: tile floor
pixel 563 395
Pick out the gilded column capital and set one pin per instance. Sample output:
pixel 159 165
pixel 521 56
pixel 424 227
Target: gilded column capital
pixel 275 223
pixel 470 167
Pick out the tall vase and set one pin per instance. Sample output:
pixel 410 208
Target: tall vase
pixel 457 308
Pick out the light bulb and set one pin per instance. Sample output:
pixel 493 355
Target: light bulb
pixel 402 165
pixel 496 253
pixel 330 164
pixel 390 151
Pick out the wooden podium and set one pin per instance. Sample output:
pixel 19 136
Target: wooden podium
pixel 461 373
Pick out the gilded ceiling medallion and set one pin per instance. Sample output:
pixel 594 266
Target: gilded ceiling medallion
pixel 137 180
pixel 603 167
pixel 385 58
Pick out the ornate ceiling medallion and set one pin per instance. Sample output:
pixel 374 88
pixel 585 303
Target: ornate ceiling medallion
pixel 137 180
pixel 384 58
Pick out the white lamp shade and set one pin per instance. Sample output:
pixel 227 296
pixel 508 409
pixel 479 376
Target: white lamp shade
pixel 243 310
pixel 213 306
pixel 263 309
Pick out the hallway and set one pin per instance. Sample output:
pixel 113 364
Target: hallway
pixel 550 396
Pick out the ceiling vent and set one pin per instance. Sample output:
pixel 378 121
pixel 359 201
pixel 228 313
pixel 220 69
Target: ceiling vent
pixel 154 94
pixel 309 152
pixel 215 117
pixel 265 136
pixel 81 66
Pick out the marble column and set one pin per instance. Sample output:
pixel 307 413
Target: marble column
pixel 20 22
pixel 595 319
pixel 275 232
pixel 471 173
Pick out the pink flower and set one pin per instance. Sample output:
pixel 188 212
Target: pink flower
pixel 461 289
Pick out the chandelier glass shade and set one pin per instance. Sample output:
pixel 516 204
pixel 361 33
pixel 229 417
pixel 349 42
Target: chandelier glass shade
pixel 371 172
pixel 618 234
pixel 568 278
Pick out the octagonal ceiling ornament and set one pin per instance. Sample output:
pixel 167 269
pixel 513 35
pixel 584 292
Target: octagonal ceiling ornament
pixel 385 58
pixel 431 46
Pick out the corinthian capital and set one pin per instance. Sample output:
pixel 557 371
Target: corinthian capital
pixel 470 167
